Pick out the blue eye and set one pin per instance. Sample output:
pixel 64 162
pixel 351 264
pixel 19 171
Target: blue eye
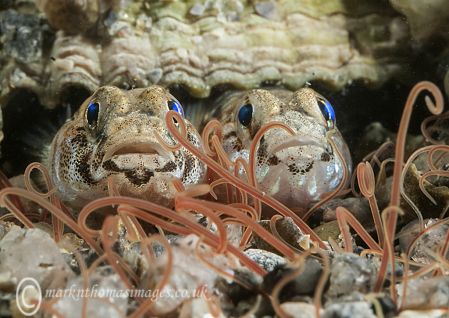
pixel 245 114
pixel 328 111
pixel 175 106
pixel 92 113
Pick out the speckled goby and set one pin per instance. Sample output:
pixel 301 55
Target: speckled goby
pixel 114 134
pixel 295 169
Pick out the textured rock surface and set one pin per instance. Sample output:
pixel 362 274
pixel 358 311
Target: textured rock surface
pixel 426 293
pixel 427 245
pixel 33 253
pixel 436 313
pixel 186 276
pixel 426 18
pixel 21 54
pixel 107 296
pixel 287 230
pixel 351 309
pixel 265 259
pixel 299 310
pixel 350 273
pixel 303 284
pixel 429 21
pixel 197 308
pixel 358 206
pixel 200 46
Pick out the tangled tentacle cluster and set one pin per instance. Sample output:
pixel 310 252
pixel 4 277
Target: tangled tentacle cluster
pixel 243 208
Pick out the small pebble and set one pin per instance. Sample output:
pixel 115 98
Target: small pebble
pixel 435 313
pixel 427 245
pixel 267 260
pixel 105 289
pixel 351 273
pixel 299 309
pixel 32 253
pixel 289 232
pixel 197 10
pixel 428 293
pixel 302 284
pixel 348 310
pixel 266 9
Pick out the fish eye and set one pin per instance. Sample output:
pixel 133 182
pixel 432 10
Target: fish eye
pixel 245 114
pixel 92 113
pixel 327 110
pixel 174 105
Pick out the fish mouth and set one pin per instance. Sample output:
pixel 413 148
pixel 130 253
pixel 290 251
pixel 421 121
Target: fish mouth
pixel 301 141
pixel 138 161
pixel 142 149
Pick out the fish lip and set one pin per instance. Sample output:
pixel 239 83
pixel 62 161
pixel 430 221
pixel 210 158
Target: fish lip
pixel 129 147
pixel 300 141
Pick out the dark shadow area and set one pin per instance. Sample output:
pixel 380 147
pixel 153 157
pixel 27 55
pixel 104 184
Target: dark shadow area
pixel 28 128
pixel 73 96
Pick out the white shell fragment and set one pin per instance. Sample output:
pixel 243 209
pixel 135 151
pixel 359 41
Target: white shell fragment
pixel 32 253
pixel 105 296
pixel 189 275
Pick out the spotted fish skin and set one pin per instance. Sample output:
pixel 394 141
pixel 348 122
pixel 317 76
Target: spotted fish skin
pixel 114 135
pixel 121 143
pixel 297 170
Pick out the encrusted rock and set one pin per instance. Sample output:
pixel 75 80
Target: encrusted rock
pixel 267 260
pixel 71 16
pixel 197 308
pixel 428 244
pixel 303 284
pixel 426 18
pixel 351 273
pixel 328 230
pixel 21 36
pixel 350 309
pixel 359 207
pixel 299 309
pixel 425 206
pixel 204 45
pixel 5 227
pixel 75 62
pixel 384 302
pixel 188 274
pixel 289 232
pixel 236 300
pixel 266 9
pixel 426 293
pixel 435 313
pixel 6 281
pixel 105 296
pixel 375 134
pixel 33 253
pixel 21 54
